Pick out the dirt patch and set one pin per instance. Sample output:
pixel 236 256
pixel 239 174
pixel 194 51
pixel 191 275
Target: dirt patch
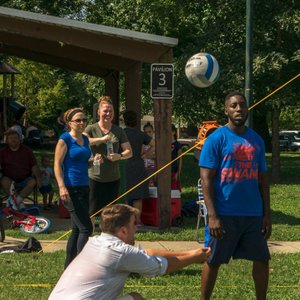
pixel 58 223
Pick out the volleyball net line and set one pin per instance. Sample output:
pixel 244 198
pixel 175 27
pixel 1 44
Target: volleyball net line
pixel 201 142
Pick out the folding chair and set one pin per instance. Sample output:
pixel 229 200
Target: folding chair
pixel 33 196
pixel 202 213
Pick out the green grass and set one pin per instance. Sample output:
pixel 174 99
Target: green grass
pixel 290 165
pixel 32 276
pixel 285 204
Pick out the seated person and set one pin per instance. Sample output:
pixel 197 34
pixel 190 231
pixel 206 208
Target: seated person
pixel 18 164
pixel 100 270
pixel 176 165
pixel 15 125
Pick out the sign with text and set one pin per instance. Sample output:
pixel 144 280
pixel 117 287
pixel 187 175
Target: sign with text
pixel 162 81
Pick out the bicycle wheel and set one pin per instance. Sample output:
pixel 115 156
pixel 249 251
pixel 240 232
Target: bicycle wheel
pixel 41 225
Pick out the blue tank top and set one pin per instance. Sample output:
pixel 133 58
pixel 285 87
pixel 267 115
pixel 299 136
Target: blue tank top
pixel 75 164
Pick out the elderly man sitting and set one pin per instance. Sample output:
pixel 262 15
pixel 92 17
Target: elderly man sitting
pixel 18 164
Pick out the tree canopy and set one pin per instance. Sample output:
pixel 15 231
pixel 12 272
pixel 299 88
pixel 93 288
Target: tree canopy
pixel 216 27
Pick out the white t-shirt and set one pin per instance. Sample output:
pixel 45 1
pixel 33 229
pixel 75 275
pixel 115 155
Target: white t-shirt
pixel 47 174
pixel 102 267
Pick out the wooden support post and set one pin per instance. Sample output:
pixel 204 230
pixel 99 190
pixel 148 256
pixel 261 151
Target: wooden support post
pixel 163 141
pixel 112 90
pixel 133 86
pixel 162 121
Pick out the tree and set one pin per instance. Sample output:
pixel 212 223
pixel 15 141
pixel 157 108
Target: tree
pixel 47 91
pixel 216 27
pixel 219 28
pixel 73 9
pixel 276 61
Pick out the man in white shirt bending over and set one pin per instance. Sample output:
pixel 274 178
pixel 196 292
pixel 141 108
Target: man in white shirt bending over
pixel 102 267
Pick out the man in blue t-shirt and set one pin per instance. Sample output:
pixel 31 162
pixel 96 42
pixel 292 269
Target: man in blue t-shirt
pixel 236 193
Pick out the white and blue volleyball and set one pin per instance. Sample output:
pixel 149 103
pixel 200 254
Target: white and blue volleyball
pixel 202 70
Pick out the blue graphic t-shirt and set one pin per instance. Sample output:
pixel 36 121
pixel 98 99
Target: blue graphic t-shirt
pixel 75 164
pixel 238 159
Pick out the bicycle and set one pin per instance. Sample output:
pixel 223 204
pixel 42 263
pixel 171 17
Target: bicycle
pixel 26 222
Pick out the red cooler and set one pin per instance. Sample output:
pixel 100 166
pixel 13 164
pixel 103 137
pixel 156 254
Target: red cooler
pixel 149 215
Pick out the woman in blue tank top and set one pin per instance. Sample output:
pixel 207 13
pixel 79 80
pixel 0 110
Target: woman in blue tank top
pixel 72 155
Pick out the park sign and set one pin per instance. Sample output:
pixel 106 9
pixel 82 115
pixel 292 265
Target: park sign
pixel 162 81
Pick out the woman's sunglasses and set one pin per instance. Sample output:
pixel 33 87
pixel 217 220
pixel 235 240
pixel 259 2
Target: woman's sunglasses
pixel 79 121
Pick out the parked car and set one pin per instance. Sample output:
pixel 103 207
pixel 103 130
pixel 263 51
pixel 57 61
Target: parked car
pixel 289 142
pixel 297 132
pixel 186 143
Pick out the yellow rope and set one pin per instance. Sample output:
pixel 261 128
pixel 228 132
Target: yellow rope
pixel 198 286
pixel 282 86
pixel 169 163
pixel 53 242
pixel 121 196
pixel 49 285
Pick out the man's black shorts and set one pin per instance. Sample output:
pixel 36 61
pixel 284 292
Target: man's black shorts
pixel 243 239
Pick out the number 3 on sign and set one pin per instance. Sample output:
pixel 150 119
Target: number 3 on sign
pixel 162 79
pixel 162 83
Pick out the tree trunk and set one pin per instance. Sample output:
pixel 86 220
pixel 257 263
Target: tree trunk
pixel 275 169
pixel 260 125
pixel 275 165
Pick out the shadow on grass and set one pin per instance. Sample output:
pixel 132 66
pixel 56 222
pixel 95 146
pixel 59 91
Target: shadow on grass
pixel 289 170
pixel 188 272
pixel 279 217
pixel 10 245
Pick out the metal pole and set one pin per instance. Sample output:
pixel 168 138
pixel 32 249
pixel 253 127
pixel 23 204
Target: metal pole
pixel 249 59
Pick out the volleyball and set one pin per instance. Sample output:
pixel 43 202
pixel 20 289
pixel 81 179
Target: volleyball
pixel 202 70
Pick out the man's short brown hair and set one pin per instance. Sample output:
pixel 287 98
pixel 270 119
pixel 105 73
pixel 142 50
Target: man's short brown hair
pixel 116 216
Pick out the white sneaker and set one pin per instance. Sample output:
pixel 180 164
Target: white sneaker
pixel 11 203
